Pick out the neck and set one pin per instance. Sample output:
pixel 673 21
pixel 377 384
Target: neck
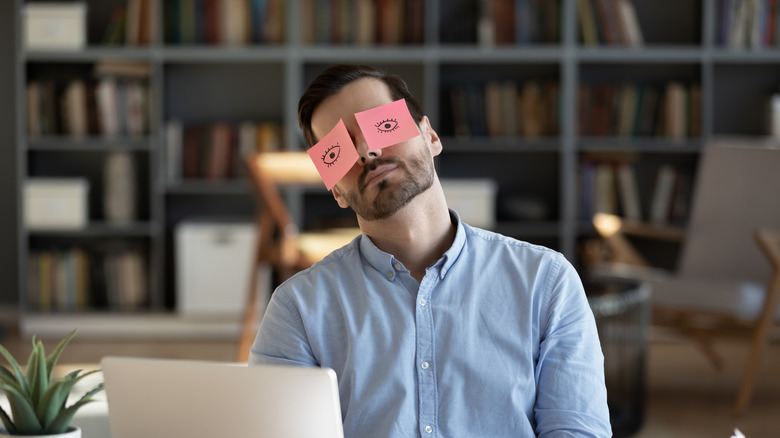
pixel 418 234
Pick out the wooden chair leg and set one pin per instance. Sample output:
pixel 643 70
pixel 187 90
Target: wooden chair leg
pixel 765 322
pixel 249 319
pixel 247 335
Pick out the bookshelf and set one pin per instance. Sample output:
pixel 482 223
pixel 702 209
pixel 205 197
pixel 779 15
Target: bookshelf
pixel 199 75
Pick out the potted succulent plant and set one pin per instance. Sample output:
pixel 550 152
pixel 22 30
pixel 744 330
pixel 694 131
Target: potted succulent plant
pixel 38 403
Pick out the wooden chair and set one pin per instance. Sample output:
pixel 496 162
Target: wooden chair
pixel 723 284
pixel 279 243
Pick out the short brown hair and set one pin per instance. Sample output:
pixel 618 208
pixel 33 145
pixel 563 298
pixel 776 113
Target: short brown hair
pixel 331 80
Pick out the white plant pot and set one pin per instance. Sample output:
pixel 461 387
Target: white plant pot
pixel 71 432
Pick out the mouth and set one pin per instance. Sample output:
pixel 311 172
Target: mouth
pixel 377 174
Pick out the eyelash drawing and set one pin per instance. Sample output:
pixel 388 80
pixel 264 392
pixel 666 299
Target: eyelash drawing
pixel 331 155
pixel 388 125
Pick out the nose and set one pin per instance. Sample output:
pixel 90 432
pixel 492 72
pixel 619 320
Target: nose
pixel 366 155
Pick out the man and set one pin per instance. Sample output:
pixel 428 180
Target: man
pixel 434 328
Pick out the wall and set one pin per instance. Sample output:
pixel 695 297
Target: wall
pixel 8 186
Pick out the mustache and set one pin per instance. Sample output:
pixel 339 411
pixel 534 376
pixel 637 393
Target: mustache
pixel 361 183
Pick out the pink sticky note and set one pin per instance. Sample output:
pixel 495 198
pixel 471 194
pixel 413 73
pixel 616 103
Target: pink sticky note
pixel 387 125
pixel 334 155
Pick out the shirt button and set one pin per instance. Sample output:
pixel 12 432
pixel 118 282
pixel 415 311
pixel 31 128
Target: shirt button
pixel 389 274
pixel 398 266
pixel 428 429
pixel 423 302
pixel 424 365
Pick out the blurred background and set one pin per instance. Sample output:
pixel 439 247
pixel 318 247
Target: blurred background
pixel 127 211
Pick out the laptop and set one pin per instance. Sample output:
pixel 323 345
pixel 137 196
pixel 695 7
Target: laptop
pixel 164 398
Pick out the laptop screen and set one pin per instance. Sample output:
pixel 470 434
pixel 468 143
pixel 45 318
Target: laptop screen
pixel 163 398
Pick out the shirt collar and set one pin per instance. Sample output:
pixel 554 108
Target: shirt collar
pixel 388 265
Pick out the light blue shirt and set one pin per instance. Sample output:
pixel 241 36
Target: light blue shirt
pixel 497 340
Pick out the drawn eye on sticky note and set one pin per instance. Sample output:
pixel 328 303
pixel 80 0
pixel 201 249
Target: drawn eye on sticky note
pixel 334 155
pixel 387 124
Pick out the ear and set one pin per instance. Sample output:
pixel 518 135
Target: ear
pixel 433 138
pixel 340 199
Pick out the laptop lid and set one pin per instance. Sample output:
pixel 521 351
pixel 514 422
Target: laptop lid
pixel 163 398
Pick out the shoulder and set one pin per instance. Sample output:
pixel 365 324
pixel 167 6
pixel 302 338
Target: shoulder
pixel 332 268
pixel 480 238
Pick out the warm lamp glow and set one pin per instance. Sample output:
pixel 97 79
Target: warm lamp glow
pixel 606 224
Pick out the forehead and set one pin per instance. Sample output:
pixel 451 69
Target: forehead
pixel 357 96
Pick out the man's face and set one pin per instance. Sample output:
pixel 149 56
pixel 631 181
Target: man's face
pixel 384 180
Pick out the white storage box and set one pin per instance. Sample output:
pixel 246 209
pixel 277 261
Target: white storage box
pixel 213 261
pixel 473 199
pixel 55 26
pixel 56 203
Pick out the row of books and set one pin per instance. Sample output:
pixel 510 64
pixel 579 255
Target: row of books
pixel 74 279
pixel 629 110
pixel 107 106
pixel 608 186
pixel 225 22
pixel 504 109
pixel 747 23
pixel 133 23
pixel 609 22
pixel 362 22
pixel 489 22
pixel 215 151
pixel 518 22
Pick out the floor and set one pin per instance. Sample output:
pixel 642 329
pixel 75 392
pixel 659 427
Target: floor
pixel 686 396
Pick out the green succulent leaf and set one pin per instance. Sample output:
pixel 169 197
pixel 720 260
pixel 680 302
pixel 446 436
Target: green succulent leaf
pixel 55 355
pixel 56 397
pixel 37 374
pixel 38 404
pixel 25 420
pixel 7 376
pixel 7 422
pixel 17 370
pixel 63 419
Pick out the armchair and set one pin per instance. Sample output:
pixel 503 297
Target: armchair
pixel 723 284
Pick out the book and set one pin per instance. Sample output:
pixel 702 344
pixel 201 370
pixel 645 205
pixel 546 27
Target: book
pixel 133 69
pixel 173 148
pixel 605 197
pixel 508 96
pixel 626 115
pixel 34 111
pixel 632 33
pixel 628 191
pixel 486 25
pixel 274 25
pixel 269 137
pixel 662 194
pixel 119 187
pixel 133 22
pixel 676 114
pixel 106 94
pixel 493 106
pixel 74 108
pixel 458 108
pixel 588 24
pixel 531 109
pixel 587 189
pixel 365 22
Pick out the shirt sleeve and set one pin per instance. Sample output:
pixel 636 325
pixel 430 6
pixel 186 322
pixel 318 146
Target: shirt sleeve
pixel 281 338
pixel 571 392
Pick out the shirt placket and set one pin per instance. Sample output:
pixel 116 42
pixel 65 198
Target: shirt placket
pixel 426 370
